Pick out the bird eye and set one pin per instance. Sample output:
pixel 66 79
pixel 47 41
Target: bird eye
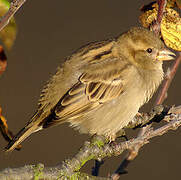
pixel 149 50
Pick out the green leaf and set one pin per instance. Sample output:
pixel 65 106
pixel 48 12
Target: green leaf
pixel 8 34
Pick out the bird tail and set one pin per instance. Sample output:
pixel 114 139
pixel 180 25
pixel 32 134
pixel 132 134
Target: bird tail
pixel 23 134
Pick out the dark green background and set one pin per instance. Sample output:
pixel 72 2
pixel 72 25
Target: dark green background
pixel 48 31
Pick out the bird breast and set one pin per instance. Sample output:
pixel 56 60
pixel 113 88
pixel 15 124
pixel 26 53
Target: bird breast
pixel 150 82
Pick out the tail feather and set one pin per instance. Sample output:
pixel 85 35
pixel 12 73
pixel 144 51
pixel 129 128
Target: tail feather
pixel 21 136
pixel 38 122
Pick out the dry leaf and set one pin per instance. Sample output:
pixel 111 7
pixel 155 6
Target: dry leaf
pixel 3 60
pixel 6 133
pixel 170 25
pixel 171 29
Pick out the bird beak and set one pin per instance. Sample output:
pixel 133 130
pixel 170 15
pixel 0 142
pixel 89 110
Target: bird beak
pixel 165 55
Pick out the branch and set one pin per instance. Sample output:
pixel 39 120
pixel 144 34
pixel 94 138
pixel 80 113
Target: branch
pixel 97 148
pixel 14 6
pixel 156 26
pixel 30 172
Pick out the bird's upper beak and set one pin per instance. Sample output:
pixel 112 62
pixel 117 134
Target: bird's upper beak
pixel 165 55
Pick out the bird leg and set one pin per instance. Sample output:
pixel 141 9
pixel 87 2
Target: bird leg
pixel 122 134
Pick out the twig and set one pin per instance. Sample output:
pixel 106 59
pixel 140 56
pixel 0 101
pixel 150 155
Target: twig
pixel 166 84
pixel 156 26
pixel 14 6
pixel 93 150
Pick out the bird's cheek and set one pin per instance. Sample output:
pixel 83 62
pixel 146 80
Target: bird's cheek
pixel 154 55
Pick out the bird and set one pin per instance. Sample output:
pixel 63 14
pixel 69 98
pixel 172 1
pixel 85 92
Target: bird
pixel 101 86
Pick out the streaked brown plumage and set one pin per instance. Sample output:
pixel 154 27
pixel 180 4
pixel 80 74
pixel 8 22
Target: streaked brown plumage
pixel 100 88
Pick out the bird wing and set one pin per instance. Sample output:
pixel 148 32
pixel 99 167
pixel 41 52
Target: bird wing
pixel 99 83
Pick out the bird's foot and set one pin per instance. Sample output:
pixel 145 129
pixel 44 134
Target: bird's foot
pixel 122 134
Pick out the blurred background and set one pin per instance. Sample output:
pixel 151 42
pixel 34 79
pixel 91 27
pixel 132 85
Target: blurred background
pixel 48 31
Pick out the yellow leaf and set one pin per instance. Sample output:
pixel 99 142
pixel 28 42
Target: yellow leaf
pixel 170 25
pixel 8 34
pixel 149 14
pixel 171 29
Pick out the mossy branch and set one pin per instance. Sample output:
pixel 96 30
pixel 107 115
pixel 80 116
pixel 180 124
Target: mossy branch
pixel 98 148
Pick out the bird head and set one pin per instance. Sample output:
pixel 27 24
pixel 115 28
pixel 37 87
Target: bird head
pixel 144 49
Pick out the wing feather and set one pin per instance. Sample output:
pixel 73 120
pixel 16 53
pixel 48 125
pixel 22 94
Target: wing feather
pixel 94 87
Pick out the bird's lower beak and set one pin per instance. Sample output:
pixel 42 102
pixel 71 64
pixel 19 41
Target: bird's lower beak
pixel 165 55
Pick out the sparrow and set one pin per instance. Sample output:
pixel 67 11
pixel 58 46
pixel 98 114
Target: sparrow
pixel 100 88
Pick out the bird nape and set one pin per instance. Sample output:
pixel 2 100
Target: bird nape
pixel 100 88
